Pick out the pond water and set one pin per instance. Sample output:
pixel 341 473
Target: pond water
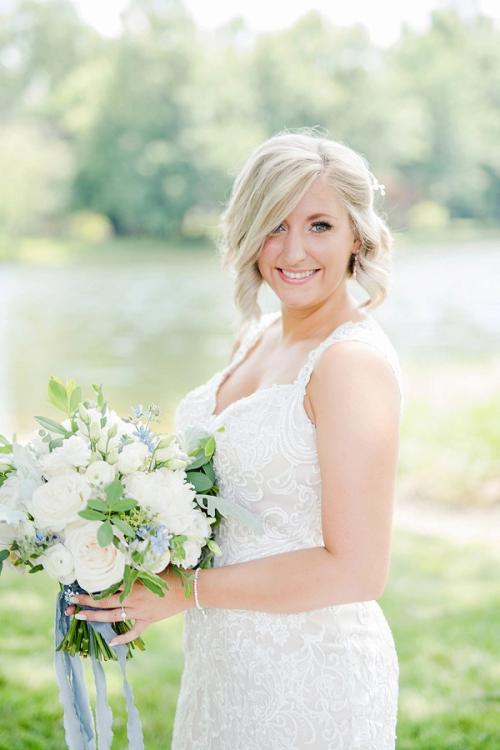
pixel 150 327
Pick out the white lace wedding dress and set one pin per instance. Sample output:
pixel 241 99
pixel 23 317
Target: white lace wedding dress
pixel 325 679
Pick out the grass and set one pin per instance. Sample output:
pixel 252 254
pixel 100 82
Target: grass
pixel 442 602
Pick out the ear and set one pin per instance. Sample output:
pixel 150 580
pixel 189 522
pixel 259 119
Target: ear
pixel 356 244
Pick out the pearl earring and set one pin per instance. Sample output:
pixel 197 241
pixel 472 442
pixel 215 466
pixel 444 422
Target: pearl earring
pixel 355 266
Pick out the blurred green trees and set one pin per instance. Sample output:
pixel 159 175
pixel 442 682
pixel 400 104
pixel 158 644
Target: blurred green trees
pixel 147 130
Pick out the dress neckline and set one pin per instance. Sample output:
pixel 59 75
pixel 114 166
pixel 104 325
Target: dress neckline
pixel 265 322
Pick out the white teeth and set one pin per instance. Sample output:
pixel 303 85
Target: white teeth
pixel 301 275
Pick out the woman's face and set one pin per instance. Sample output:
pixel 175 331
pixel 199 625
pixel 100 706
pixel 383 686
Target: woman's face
pixel 316 236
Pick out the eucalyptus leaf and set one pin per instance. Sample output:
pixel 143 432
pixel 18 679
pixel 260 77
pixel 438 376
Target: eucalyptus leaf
pixel 211 503
pixel 210 446
pixel 199 480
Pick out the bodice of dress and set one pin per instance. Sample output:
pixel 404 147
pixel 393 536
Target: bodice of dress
pixel 266 458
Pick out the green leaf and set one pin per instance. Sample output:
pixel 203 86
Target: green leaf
pixel 209 471
pixel 210 446
pixel 4 440
pixel 3 556
pixel 200 460
pixel 199 480
pixel 57 394
pixel 128 581
pixel 120 506
pixel 124 526
pixel 105 534
pixel 75 399
pixel 35 568
pixel 91 515
pixel 212 544
pixel 53 426
pixel 97 504
pixel 107 592
pixel 114 491
pixel 153 582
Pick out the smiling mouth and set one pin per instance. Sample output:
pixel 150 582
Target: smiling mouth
pixel 304 274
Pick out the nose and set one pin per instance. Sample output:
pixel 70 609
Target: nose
pixel 293 250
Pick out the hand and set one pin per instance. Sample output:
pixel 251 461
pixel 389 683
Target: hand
pixel 140 605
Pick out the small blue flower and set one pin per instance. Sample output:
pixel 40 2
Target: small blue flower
pixel 39 536
pixel 145 436
pixel 160 541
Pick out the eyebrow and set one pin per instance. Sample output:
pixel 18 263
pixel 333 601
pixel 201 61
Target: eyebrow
pixel 316 216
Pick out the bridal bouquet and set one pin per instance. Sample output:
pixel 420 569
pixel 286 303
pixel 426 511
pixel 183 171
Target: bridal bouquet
pixel 100 501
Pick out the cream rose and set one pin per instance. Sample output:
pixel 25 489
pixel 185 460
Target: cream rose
pixel 57 503
pixel 96 567
pixel 58 563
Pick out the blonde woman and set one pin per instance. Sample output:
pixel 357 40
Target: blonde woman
pixel 285 645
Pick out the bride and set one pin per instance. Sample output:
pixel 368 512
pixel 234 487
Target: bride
pixel 285 644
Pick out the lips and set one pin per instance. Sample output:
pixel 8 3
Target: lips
pixel 302 280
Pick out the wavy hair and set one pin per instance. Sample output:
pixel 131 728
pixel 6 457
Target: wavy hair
pixel 271 183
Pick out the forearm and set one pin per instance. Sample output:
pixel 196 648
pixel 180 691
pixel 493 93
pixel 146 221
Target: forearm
pixel 288 582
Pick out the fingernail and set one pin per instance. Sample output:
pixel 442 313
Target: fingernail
pixel 66 611
pixel 81 616
pixel 73 599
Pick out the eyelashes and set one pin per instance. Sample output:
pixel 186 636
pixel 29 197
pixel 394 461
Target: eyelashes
pixel 325 224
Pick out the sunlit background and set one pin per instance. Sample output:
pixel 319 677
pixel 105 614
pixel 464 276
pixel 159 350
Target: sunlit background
pixel 122 126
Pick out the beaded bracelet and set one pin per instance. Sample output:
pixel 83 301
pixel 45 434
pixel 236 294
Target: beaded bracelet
pixel 196 600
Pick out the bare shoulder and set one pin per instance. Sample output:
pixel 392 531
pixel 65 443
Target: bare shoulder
pixel 352 378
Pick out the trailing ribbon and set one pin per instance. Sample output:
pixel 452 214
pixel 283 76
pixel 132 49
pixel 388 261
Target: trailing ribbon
pixel 78 719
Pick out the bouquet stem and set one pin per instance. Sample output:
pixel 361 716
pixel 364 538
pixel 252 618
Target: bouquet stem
pixel 77 640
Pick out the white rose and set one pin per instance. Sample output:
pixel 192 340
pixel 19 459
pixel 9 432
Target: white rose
pixel 58 563
pixel 100 473
pixel 132 457
pixel 96 567
pixel 75 450
pixel 58 502
pixel 164 492
pixel 10 492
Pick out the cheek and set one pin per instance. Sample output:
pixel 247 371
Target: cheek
pixel 267 254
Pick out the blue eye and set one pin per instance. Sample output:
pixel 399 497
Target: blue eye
pixel 322 224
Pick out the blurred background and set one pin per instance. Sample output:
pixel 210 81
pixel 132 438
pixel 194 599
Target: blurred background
pixel 122 127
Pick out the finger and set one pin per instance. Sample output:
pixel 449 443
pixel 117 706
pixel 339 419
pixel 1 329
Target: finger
pixel 70 610
pixel 130 635
pixel 106 615
pixel 110 602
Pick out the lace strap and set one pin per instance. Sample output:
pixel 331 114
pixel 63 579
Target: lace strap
pixel 368 331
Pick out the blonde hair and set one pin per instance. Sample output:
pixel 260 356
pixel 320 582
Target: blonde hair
pixel 268 187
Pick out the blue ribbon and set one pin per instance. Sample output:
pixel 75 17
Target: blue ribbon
pixel 78 719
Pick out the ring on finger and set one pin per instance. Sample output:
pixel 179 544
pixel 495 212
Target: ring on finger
pixel 123 614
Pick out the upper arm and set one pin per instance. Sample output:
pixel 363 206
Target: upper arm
pixel 356 403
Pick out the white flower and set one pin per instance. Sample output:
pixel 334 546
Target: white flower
pixel 100 473
pixel 58 563
pixel 164 492
pixel 58 502
pixel 156 562
pixel 96 567
pixel 192 551
pixel 7 535
pixel 10 492
pixel 38 446
pixel 132 457
pixel 75 450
